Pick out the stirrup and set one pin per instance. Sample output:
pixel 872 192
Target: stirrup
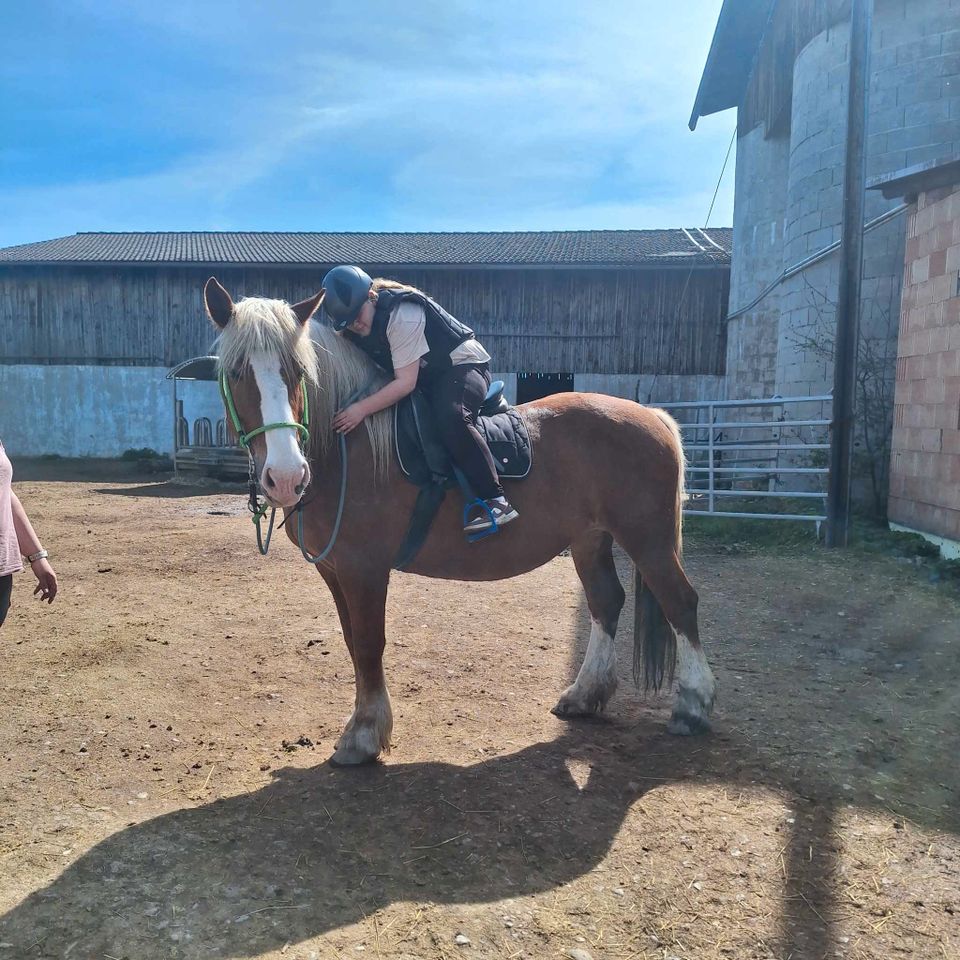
pixel 474 536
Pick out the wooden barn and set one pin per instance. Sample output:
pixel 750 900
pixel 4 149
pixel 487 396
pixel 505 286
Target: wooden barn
pixel 92 322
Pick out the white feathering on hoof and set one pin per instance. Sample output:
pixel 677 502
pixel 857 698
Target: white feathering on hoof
pixel 696 690
pixel 597 680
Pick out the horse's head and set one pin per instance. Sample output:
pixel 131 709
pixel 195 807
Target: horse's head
pixel 266 361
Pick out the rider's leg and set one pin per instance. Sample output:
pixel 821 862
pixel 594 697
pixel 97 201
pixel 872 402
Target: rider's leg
pixel 456 395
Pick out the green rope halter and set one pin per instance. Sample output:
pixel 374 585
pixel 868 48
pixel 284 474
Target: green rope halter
pixel 303 427
pixel 259 509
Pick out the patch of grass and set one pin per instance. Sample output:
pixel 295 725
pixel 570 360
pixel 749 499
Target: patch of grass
pixel 716 530
pixel 754 533
pixel 868 536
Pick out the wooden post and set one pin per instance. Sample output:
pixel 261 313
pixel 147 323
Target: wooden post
pixel 851 266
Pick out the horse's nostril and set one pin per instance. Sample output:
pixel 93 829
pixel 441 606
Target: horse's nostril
pixel 298 489
pixel 268 479
pixel 304 480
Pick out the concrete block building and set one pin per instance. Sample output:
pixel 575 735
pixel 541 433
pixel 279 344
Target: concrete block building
pixel 783 64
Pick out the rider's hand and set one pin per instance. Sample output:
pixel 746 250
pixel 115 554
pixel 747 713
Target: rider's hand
pixel 46 580
pixel 349 418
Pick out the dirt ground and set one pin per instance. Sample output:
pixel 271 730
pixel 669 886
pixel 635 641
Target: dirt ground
pixel 164 729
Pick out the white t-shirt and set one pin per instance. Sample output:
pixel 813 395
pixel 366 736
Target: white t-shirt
pixel 406 334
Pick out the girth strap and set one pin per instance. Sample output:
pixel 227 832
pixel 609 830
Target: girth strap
pixel 428 502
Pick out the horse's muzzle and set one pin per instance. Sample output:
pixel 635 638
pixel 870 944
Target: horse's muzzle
pixel 284 488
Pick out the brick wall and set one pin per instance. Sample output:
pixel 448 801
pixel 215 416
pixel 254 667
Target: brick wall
pixel 925 462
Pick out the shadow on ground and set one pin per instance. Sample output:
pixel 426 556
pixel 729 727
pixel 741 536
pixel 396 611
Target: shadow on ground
pixel 321 848
pixel 140 482
pixel 173 490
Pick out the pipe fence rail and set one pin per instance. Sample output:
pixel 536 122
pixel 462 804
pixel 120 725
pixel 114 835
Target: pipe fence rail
pixel 770 450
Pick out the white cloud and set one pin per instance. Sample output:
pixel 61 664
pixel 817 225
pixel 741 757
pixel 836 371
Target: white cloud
pixel 451 115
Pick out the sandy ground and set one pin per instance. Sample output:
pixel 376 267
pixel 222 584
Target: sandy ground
pixel 155 801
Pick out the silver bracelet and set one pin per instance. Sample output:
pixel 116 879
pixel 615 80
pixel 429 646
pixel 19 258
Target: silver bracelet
pixel 39 555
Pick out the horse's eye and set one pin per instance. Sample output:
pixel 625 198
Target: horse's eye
pixel 235 374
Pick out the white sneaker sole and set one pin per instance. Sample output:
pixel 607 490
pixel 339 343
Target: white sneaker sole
pixel 478 526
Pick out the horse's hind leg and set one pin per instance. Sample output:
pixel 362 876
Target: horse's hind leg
pixel 663 575
pixel 597 679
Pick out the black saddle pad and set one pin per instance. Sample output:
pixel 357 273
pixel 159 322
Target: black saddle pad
pixel 424 459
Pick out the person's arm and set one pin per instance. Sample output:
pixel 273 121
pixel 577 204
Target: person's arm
pixel 404 382
pixel 29 544
pixel 406 334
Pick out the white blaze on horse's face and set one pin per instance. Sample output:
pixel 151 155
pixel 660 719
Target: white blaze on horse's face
pixel 285 472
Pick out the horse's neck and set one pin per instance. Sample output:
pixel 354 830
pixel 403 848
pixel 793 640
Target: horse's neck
pixel 340 363
pixel 345 373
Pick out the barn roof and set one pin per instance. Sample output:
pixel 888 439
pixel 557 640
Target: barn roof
pixel 563 248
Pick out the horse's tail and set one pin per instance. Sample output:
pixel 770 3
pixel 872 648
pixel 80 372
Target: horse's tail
pixel 674 429
pixel 654 639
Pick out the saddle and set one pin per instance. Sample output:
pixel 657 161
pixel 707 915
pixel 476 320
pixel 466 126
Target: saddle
pixel 424 460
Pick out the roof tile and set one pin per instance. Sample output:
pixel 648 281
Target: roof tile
pixel 551 248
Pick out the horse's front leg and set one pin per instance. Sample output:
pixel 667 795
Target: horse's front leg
pixel 367 733
pixel 343 611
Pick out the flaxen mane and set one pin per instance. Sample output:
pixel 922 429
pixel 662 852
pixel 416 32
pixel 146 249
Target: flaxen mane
pixel 333 368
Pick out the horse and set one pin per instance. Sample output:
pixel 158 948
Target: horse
pixel 605 470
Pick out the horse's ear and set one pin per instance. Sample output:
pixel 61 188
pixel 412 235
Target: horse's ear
pixel 218 303
pixel 305 309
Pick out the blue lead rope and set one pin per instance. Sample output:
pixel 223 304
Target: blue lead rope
pixel 263 545
pixel 322 555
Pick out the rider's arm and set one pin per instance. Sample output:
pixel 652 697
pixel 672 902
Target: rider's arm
pixel 406 334
pixel 404 382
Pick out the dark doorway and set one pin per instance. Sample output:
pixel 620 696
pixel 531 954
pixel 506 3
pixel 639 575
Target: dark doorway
pixel 533 386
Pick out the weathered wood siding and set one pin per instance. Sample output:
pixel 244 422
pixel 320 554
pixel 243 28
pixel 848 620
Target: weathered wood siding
pixel 616 321
pixel 793 24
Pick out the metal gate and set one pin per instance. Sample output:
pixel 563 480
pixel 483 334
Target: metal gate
pixel 756 450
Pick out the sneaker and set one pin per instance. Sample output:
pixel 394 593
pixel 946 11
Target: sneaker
pixel 502 513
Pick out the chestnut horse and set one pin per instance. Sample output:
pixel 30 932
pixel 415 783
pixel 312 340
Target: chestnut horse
pixel 604 469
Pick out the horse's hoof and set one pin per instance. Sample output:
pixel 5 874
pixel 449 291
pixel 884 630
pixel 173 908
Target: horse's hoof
pixel 688 725
pixel 351 757
pixel 568 708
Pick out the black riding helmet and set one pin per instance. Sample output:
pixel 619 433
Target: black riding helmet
pixel 347 291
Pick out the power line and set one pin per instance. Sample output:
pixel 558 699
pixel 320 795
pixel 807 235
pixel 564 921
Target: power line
pixel 723 170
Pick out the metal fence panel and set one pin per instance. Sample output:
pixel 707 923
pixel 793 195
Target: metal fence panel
pixel 730 457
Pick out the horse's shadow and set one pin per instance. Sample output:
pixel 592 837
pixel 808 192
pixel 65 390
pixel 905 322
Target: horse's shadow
pixel 320 848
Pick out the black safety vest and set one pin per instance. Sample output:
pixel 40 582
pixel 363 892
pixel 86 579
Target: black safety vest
pixel 443 331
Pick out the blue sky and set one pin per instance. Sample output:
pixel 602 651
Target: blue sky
pixel 541 115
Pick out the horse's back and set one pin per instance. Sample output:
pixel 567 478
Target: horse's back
pixel 598 463
pixel 601 416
